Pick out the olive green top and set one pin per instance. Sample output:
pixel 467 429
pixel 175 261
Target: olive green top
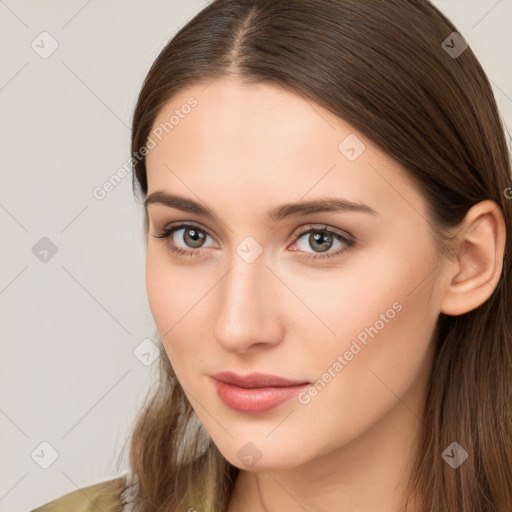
pixel 86 499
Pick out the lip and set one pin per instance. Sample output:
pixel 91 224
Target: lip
pixel 254 393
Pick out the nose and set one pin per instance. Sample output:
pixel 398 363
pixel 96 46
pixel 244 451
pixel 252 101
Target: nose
pixel 247 315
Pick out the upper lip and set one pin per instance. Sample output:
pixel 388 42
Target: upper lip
pixel 255 380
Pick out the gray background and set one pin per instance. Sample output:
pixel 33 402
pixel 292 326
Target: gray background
pixel 71 322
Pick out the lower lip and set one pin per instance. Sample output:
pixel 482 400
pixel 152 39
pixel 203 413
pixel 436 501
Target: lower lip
pixel 255 400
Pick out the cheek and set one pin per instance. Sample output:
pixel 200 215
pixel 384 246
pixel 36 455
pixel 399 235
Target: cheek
pixel 368 297
pixel 383 320
pixel 176 299
pixel 161 295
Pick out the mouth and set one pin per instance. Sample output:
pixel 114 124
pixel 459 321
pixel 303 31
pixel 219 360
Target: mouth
pixel 255 393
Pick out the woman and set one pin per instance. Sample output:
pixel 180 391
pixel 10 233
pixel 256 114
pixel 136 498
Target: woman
pixel 376 376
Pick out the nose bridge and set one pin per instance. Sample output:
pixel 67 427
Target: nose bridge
pixel 245 313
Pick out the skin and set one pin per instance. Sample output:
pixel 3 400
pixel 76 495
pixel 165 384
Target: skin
pixel 242 151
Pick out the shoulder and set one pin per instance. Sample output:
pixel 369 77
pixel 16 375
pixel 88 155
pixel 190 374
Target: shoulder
pixel 104 496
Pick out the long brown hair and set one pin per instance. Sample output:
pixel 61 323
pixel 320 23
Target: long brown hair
pixel 387 67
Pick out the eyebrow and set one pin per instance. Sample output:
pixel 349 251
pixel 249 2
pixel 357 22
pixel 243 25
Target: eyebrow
pixel 329 204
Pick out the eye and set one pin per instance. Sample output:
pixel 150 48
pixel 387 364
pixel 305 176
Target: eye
pixel 322 238
pixel 192 235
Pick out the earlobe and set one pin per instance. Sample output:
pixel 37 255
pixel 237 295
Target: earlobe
pixel 476 271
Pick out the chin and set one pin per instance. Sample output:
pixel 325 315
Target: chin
pixel 255 456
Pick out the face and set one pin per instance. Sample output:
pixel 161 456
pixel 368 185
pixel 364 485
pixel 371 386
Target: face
pixel 343 299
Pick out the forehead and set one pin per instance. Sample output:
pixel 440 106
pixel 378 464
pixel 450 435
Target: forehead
pixel 260 119
pixel 249 142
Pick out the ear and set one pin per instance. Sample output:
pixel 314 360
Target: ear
pixel 475 272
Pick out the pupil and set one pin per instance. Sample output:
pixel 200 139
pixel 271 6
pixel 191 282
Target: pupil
pixel 195 235
pixel 320 238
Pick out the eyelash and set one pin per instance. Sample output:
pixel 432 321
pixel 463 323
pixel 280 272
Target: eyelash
pixel 167 232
